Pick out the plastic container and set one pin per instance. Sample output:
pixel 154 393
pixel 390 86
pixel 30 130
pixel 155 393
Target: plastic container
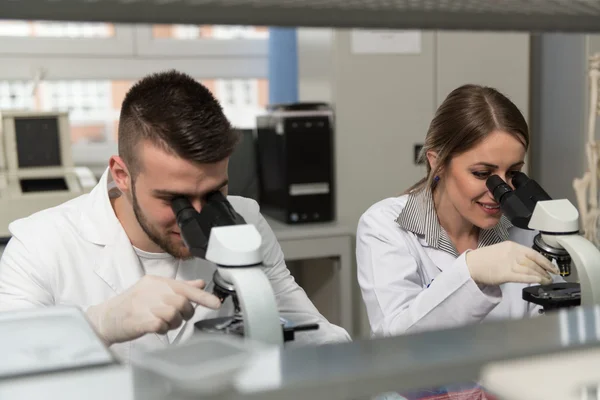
pixel 41 340
pixel 204 365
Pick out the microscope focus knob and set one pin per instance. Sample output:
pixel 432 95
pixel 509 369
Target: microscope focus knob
pixel 562 258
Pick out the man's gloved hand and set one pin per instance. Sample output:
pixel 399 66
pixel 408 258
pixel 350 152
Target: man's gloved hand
pixel 509 262
pixel 152 305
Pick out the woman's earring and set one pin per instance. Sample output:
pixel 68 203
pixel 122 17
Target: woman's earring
pixel 436 179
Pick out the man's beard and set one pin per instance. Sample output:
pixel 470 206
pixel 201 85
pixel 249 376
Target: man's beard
pixel 162 241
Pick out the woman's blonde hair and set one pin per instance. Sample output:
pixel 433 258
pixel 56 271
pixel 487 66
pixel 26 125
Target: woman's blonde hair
pixel 467 116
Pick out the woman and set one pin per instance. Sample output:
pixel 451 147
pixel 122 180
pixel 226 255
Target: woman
pixel 442 255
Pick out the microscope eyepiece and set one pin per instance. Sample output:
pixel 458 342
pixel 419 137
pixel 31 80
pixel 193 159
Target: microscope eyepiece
pixel 183 210
pixel 179 204
pixel 497 187
pixel 196 226
pixel 191 226
pixel 519 179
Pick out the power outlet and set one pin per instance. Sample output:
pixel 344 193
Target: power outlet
pixel 417 152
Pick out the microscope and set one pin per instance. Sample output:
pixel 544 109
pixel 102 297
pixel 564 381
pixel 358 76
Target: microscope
pixel 36 165
pixel 528 206
pixel 220 235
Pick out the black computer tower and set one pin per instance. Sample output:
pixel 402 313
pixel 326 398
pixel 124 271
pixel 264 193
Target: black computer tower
pixel 295 156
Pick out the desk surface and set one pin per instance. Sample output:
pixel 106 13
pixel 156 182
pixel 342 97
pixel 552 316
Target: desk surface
pixel 362 369
pixel 310 230
pixel 412 362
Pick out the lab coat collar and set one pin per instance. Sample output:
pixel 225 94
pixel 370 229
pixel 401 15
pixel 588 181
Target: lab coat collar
pixel 98 222
pixel 419 217
pixel 118 265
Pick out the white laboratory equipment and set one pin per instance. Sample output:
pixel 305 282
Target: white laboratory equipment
pixel 528 206
pixel 36 166
pixel 54 353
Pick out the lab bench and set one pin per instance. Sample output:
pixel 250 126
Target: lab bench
pixel 360 369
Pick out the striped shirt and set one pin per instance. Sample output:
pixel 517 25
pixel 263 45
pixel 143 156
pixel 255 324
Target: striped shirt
pixel 419 217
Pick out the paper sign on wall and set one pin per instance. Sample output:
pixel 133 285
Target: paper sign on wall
pixel 385 41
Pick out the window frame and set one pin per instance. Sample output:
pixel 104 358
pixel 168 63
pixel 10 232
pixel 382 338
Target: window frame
pixel 129 55
pixel 121 44
pixel 147 45
pixel 130 68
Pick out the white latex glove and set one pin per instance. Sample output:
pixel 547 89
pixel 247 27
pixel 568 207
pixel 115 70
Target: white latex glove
pixel 509 262
pixel 152 305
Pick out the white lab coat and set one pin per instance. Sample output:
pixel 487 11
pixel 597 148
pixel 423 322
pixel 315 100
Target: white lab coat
pixel 78 254
pixel 408 286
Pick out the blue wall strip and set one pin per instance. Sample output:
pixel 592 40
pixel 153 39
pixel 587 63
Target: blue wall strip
pixel 283 65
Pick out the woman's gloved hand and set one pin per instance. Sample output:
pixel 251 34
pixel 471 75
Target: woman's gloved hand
pixel 509 262
pixel 152 305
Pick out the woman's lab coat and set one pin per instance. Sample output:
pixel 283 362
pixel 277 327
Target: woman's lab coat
pixel 78 254
pixel 409 286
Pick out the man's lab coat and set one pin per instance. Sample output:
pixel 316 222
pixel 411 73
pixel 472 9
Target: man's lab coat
pixel 78 254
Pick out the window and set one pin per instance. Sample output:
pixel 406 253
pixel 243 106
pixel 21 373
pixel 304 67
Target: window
pixel 249 93
pixel 16 95
pixel 186 40
pixel 56 29
pixel 242 99
pixel 94 105
pixel 226 32
pixel 86 69
pixel 40 37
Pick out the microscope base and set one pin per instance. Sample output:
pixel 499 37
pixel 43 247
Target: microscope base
pixel 235 326
pixel 554 296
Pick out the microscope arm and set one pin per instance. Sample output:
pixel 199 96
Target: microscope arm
pixel 255 294
pixel 586 259
pixel 235 249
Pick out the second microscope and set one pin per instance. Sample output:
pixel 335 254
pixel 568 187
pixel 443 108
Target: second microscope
pixel 528 206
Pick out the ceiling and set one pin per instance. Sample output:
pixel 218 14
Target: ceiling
pixel 516 15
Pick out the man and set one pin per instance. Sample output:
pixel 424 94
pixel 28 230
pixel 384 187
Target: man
pixel 117 252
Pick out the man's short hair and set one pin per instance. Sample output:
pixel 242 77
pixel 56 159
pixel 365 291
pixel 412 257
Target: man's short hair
pixel 177 113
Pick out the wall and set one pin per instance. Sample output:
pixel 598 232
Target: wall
pixel 315 64
pixel 559 110
pixel 494 59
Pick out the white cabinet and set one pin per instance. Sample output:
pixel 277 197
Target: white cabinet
pixel 496 59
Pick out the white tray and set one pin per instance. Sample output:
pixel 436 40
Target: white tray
pixel 48 339
pixel 206 364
